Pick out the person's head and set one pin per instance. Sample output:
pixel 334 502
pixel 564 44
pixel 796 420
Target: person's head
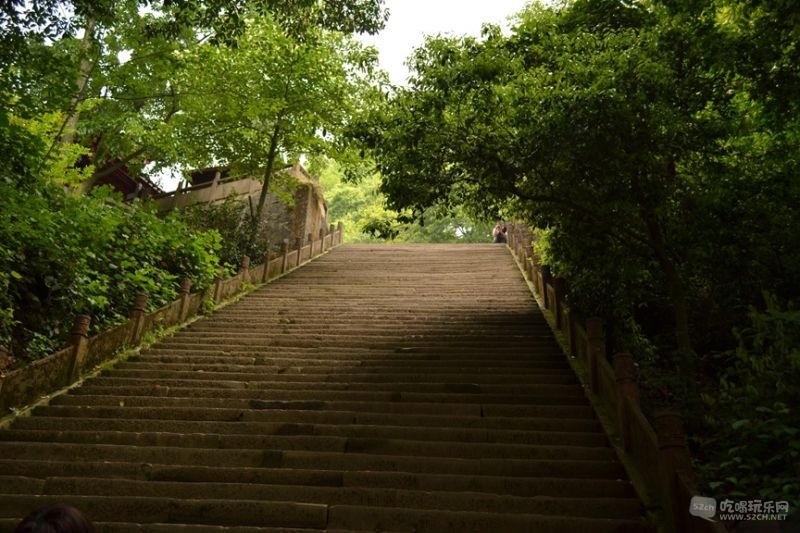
pixel 55 519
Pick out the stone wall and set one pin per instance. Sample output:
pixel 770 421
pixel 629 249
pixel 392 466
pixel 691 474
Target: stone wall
pixel 308 214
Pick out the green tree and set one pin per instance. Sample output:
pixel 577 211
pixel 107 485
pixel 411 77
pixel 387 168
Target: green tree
pixel 622 128
pixel 123 106
pixel 269 100
pixel 652 141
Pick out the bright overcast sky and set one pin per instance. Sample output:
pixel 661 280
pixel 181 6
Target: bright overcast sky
pixel 410 20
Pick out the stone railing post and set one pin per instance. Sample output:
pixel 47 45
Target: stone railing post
pixel 137 318
pixel 284 255
pixel 321 240
pixel 298 243
pixel 572 332
pixel 596 351
pixel 672 440
pixel 529 263
pixel 244 271
pixel 265 259
pixel 559 292
pixel 186 287
pixel 340 230
pixel 627 389
pixel 310 245
pixel 80 346
pixel 519 246
pixel 535 269
pixel 547 277
pixel 674 458
pixel 218 285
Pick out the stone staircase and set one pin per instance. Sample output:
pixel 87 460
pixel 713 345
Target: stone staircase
pixel 411 388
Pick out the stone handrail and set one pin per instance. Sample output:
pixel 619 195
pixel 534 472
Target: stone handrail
pixel 657 459
pixel 63 368
pixel 209 192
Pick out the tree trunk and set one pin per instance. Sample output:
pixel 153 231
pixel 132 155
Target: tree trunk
pixel 674 284
pixel 262 199
pixel 672 278
pixel 84 72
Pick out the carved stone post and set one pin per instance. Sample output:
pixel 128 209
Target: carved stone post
pixel 674 458
pixel 597 350
pixel 535 269
pixel 299 245
pixel 572 319
pixel 80 346
pixel 627 389
pixel 265 274
pixel 331 236
pixel 186 287
pixel 321 240
pixel 672 440
pixel 559 292
pixel 284 255
pixel 340 230
pixel 218 285
pixel 527 262
pixel 137 318
pixel 244 272
pixel 547 277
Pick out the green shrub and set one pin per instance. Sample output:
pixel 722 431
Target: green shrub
pixel 231 219
pixel 752 448
pixel 64 255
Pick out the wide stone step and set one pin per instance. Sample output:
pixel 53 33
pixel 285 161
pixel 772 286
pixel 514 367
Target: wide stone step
pixel 306 412
pixel 596 507
pixel 275 362
pixel 443 346
pixel 401 356
pixel 536 429
pixel 249 390
pixel 572 448
pixel 8 524
pixel 36 472
pixel 448 465
pixel 179 511
pixel 249 444
pixel 327 367
pixel 365 377
pixel 432 521
pixel 261 399
pixel 387 406
pixel 548 464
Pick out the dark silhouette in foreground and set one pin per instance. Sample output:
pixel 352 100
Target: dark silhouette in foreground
pixel 55 519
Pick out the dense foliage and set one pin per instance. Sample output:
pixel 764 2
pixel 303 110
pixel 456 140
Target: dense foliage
pixel 360 205
pixel 652 143
pixel 231 220
pixel 63 255
pixel 89 88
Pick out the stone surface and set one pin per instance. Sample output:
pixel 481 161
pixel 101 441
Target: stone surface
pixel 378 388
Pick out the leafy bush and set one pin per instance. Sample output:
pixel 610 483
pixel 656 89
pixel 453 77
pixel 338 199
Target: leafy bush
pixel 231 219
pixel 752 447
pixel 64 255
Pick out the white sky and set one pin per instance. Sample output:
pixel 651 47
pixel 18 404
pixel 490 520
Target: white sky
pixel 410 20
